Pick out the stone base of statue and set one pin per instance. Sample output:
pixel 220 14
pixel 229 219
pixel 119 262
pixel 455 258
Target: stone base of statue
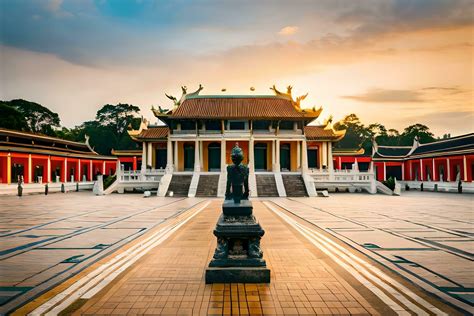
pixel 238 257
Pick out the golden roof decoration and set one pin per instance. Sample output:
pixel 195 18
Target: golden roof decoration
pixel 296 103
pixel 135 132
pixel 184 95
pixel 328 125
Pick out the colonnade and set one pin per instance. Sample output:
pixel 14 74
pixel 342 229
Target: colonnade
pixel 172 155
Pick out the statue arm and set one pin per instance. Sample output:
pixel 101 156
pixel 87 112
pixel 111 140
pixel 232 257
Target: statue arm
pixel 246 185
pixel 227 186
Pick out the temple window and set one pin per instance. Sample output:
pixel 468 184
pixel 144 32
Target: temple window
pixel 286 125
pixel 237 125
pixel 261 125
pixel 213 125
pixel 188 125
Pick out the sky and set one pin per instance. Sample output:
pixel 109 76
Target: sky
pixel 394 62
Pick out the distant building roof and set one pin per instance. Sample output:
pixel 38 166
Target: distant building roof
pixel 396 152
pixel 322 133
pixel 463 144
pixel 240 107
pixel 18 141
pixel 349 152
pixel 153 133
pixel 126 152
pixel 458 144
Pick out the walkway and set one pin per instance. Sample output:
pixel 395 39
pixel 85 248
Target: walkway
pixel 169 279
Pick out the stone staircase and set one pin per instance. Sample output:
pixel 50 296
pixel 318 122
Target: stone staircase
pixel 266 185
pixel 294 185
pixel 208 185
pixel 180 185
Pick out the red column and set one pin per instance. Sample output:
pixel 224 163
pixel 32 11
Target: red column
pixel 469 168
pixel 134 162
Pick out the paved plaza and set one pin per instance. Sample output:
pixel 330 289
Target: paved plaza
pixel 346 254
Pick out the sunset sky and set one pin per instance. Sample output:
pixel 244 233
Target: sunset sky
pixel 393 62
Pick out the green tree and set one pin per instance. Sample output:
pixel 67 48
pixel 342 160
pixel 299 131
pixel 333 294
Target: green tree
pixel 357 135
pixel 11 118
pixel 117 117
pixel 417 130
pixel 109 130
pixel 39 119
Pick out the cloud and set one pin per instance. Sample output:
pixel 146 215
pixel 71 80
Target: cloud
pixel 288 30
pixel 433 93
pixel 446 90
pixel 388 96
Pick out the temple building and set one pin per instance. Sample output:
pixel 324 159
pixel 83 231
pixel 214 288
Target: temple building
pixel 437 163
pixel 187 152
pixel 280 146
pixel 43 159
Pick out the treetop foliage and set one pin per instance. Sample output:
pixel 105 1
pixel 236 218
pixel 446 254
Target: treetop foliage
pixel 33 117
pixel 358 135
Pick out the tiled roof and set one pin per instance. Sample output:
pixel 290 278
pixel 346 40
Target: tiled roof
pixel 392 151
pixel 319 133
pixel 464 142
pixel 238 107
pixel 158 132
pixel 14 140
pixel 349 152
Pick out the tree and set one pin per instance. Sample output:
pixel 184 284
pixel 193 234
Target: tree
pixel 357 135
pixel 39 119
pixel 117 117
pixel 109 130
pixel 11 118
pixel 417 130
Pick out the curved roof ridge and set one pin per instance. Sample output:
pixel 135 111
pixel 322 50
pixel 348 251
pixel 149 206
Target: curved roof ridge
pixel 448 139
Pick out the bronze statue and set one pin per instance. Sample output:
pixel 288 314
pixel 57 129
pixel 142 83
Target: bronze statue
pixel 238 257
pixel 237 187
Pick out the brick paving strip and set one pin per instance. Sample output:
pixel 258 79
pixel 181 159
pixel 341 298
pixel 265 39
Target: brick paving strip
pixel 169 279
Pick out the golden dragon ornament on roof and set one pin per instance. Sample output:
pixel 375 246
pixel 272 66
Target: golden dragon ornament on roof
pixel 296 103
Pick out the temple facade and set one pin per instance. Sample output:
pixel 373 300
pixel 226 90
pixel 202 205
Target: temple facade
pixel 281 148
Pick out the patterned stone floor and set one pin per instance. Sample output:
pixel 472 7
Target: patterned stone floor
pixel 46 239
pixel 427 237
pixel 424 237
pixel 170 279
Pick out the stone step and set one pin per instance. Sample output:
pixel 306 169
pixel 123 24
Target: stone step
pixel 294 185
pixel 180 185
pixel 266 185
pixel 208 185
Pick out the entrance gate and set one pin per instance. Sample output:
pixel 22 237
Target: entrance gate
pixel 260 153
pixel 214 156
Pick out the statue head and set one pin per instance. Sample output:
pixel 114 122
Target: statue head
pixel 237 155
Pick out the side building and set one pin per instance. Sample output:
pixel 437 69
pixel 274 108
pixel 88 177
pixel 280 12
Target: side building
pixel 42 159
pixel 439 165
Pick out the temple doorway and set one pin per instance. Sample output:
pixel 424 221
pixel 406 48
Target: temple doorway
pixel 160 158
pixel 214 156
pixel 188 157
pixel 260 152
pixel 394 172
pixel 16 171
pixel 285 160
pixel 312 158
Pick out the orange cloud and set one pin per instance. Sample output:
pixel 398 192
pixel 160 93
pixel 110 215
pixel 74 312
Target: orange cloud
pixel 288 30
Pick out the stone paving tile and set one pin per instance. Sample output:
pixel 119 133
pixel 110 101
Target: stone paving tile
pixel 43 237
pixel 170 279
pixel 428 235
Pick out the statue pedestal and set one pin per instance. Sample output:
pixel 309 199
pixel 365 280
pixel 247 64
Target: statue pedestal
pixel 238 257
